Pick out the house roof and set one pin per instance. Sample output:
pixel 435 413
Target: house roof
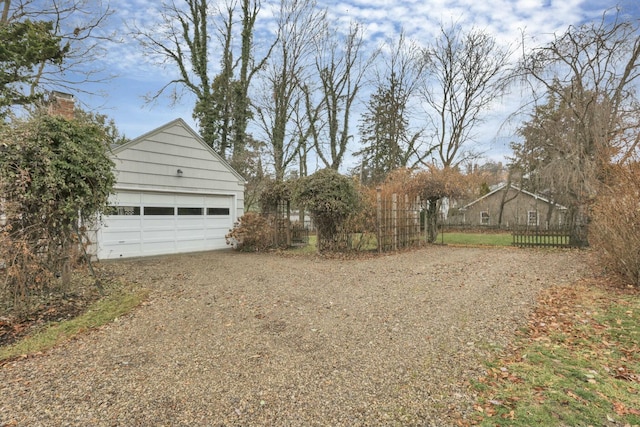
pixel 503 186
pixel 177 122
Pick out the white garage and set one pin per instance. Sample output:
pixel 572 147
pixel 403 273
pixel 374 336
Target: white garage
pixel 173 194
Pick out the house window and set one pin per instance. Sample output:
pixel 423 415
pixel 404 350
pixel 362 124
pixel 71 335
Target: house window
pixel 218 211
pixel 158 210
pixel 484 218
pixel 190 211
pixel 126 210
pixel 533 218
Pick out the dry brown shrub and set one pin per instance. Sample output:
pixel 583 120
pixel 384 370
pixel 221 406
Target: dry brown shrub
pixel 615 227
pixel 252 233
pixel 23 276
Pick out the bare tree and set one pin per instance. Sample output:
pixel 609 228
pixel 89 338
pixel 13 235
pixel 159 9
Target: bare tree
pixel 219 113
pixel 467 72
pixel 281 96
pixel 231 103
pixel 248 70
pixel 591 115
pixel 309 125
pixel 183 40
pixel 340 66
pixel 592 70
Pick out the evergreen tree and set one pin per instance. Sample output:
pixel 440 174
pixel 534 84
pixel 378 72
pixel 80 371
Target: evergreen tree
pixel 24 46
pixel 384 132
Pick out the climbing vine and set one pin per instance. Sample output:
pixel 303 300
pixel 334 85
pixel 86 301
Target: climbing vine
pixel 54 174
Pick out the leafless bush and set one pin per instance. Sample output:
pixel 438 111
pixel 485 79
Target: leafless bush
pixel 615 229
pixel 32 267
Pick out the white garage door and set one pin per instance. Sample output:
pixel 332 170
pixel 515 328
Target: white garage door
pixel 155 224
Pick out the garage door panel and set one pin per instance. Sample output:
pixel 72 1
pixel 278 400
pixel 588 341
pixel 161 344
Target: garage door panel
pixel 190 237
pixel 195 228
pixel 124 250
pixel 153 224
pixel 158 246
pixel 156 226
pixel 111 239
pixel 118 232
pixel 190 200
pixel 157 236
pixel 120 236
pixel 199 241
pixel 219 226
pixel 162 245
pixel 191 246
pixel 189 233
pixel 217 235
pixel 158 199
pixel 186 223
pixel 149 252
pixel 218 222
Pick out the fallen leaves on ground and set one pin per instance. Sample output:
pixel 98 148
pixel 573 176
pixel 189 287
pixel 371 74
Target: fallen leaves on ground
pixel 571 312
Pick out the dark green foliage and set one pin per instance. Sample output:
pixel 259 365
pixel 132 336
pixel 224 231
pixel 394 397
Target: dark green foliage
pixel 274 193
pixel 57 169
pixel 384 127
pixel 484 189
pixel 112 133
pixel 330 198
pixel 53 172
pixel 194 34
pixel 23 47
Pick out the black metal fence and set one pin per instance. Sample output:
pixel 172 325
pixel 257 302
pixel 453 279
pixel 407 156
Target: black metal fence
pixel 299 235
pixel 536 237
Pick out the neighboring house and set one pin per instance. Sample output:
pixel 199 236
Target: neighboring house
pixel 173 194
pixel 519 207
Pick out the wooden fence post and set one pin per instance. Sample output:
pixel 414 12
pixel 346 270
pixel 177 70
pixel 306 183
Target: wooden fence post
pixel 379 202
pixel 416 219
pixel 394 220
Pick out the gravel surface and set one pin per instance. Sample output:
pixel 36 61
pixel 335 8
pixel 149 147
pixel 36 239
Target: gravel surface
pixel 229 339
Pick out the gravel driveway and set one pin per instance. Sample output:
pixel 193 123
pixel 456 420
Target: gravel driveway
pixel 267 340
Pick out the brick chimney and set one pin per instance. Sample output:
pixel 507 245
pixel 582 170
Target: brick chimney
pixel 62 104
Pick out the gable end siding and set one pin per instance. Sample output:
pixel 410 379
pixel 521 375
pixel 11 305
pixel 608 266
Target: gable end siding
pixel 515 212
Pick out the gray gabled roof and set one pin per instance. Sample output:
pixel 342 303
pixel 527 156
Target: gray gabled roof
pixel 518 189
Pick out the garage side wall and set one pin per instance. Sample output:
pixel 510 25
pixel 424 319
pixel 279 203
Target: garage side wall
pixel 153 161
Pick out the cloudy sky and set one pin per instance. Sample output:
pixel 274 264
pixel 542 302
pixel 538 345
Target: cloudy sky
pixel 506 20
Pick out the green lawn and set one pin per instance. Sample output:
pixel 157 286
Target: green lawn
pixel 488 239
